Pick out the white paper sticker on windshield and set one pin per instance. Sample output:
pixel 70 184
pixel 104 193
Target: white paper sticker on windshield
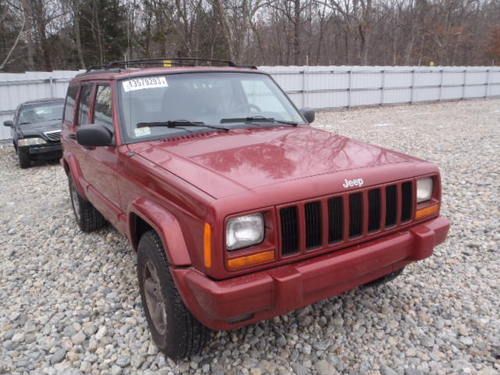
pixel 144 83
pixel 141 132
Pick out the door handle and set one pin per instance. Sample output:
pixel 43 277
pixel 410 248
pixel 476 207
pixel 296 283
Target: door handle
pixel 72 136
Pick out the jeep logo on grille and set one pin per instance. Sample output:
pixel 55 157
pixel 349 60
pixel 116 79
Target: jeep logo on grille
pixel 356 182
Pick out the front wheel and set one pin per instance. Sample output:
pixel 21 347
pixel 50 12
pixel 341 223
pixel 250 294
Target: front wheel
pixel 24 158
pixel 86 215
pixel 174 329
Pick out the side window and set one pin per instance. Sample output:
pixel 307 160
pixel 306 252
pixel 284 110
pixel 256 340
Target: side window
pixel 103 109
pixel 69 105
pixel 84 108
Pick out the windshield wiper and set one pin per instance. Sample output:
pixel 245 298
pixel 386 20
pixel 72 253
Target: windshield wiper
pixel 257 119
pixel 178 124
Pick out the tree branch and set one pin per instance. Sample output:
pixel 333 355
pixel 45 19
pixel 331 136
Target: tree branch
pixel 14 45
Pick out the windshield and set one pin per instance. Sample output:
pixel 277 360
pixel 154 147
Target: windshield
pixel 230 99
pixel 46 112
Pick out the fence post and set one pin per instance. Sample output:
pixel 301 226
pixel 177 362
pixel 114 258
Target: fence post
pixel 463 86
pixel 412 87
pixel 349 84
pixel 487 83
pixel 304 88
pixel 382 87
pixel 51 86
pixel 440 84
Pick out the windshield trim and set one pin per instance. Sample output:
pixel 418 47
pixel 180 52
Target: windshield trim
pixel 127 140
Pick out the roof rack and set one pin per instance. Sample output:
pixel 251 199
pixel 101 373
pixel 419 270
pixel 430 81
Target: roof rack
pixel 167 62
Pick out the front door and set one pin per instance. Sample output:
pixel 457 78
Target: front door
pixel 100 163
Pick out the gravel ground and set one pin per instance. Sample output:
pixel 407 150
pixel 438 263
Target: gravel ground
pixel 69 301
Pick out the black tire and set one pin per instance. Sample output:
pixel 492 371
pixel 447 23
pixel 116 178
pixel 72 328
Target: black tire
pixel 24 158
pixel 385 279
pixel 87 217
pixel 174 329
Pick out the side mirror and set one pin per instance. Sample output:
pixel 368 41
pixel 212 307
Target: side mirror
pixel 8 123
pixel 94 136
pixel 308 114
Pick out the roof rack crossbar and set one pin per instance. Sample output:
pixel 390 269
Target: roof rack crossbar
pixel 168 61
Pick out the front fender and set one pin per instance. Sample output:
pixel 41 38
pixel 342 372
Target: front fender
pixel 167 227
pixel 72 168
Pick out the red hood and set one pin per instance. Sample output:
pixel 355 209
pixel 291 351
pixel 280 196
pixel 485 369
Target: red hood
pixel 223 164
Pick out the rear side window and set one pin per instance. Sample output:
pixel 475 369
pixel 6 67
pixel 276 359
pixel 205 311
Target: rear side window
pixel 69 105
pixel 84 108
pixel 103 109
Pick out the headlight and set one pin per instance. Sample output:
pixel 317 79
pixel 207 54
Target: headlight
pixel 424 189
pixel 244 231
pixel 30 141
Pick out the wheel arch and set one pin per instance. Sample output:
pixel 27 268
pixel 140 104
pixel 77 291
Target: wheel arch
pixel 145 215
pixel 72 169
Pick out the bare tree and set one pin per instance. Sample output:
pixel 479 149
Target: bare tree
pixel 76 33
pixel 16 41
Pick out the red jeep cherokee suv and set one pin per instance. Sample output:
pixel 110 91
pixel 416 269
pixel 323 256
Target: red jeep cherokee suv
pixel 238 209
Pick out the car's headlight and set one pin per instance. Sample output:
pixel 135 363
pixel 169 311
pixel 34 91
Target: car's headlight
pixel 424 189
pixel 244 231
pixel 30 141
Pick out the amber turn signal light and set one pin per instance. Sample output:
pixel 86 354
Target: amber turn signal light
pixel 207 245
pixel 427 211
pixel 251 260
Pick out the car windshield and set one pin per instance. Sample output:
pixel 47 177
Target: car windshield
pixel 164 105
pixel 35 113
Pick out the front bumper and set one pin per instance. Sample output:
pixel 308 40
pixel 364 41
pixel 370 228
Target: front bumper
pixel 41 150
pixel 243 300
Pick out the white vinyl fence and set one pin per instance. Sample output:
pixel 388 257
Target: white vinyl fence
pixel 16 88
pixel 342 86
pixel 318 87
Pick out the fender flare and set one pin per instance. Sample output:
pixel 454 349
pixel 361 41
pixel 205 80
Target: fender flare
pixel 72 168
pixel 166 226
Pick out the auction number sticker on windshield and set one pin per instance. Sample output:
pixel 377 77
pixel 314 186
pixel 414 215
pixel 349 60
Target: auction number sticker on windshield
pixel 141 132
pixel 142 83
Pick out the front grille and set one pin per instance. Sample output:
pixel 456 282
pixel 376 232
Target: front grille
pixel 53 136
pixel 289 230
pixel 407 201
pixel 355 214
pixel 374 210
pixel 313 224
pixel 337 220
pixel 391 205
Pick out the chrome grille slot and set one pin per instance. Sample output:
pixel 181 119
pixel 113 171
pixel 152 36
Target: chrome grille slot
pixel 53 136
